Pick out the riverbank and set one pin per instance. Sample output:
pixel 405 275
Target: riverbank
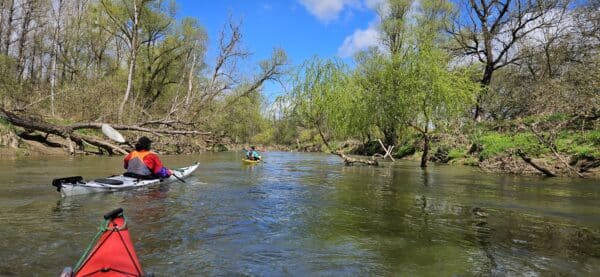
pixel 574 154
pixel 570 154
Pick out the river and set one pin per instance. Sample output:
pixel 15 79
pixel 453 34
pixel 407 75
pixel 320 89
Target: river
pixel 307 214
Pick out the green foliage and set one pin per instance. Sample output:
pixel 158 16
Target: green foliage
pixel 586 151
pixel 307 135
pixel 434 93
pixel 380 99
pixel 265 136
pixel 405 150
pixel 471 161
pixel 456 154
pixel 243 121
pixel 219 148
pixel 318 96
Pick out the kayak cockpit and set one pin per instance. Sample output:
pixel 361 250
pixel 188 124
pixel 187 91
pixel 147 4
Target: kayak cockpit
pixel 107 181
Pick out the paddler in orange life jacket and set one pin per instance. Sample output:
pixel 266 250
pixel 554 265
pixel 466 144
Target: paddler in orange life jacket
pixel 144 164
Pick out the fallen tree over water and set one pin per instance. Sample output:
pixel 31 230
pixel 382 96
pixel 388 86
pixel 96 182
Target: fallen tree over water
pixel 74 141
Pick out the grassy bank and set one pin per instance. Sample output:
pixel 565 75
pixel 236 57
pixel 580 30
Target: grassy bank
pixel 491 146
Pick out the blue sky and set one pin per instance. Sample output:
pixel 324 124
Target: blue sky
pixel 303 28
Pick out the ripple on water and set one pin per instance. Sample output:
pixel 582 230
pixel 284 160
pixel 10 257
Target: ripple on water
pixel 307 214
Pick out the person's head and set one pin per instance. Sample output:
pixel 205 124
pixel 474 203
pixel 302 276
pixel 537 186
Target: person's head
pixel 252 147
pixel 143 144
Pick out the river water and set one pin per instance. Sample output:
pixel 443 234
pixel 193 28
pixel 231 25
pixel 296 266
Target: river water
pixel 307 214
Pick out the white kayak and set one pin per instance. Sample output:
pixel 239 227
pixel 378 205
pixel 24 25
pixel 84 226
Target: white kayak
pixel 76 185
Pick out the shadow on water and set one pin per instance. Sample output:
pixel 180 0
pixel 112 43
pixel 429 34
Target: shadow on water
pixel 307 214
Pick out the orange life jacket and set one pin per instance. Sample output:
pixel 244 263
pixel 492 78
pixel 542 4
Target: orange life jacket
pixel 136 163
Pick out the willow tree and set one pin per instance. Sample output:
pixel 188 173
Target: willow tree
pixel 434 91
pixel 377 80
pixel 434 94
pixel 316 86
pixel 411 83
pixel 322 99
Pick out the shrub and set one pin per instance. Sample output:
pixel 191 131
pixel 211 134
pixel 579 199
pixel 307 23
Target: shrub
pixel 405 150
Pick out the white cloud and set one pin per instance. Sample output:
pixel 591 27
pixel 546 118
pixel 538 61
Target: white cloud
pixel 373 4
pixel 361 39
pixel 267 6
pixel 326 10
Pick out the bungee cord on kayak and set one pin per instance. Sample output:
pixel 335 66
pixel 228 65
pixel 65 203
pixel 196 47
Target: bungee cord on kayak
pixel 111 250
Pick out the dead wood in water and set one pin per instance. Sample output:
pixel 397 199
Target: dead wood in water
pixel 351 161
pixel 347 160
pixel 528 160
pixel 31 124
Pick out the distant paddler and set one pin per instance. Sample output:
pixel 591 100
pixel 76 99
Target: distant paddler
pixel 252 154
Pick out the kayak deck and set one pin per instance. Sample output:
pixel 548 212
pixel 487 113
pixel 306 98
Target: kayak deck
pixel 111 252
pixel 76 186
pixel 246 161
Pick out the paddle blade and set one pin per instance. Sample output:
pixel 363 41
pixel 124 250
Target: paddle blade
pixel 112 133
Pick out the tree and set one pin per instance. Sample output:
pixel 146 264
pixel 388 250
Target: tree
pixel 374 80
pixel 377 80
pixel 394 16
pixel 319 101
pixel 314 94
pixel 125 17
pixel 433 93
pixel 489 30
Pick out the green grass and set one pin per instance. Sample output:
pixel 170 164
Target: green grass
pixel 90 132
pixel 471 161
pixel 456 154
pixel 496 143
pixel 62 122
pixel 581 145
pixel 5 125
pixel 591 137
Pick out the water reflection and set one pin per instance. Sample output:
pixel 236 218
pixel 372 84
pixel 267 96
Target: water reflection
pixel 305 214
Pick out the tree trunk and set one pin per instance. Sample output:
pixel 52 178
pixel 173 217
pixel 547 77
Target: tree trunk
pixel 188 97
pixel 132 60
pixel 67 132
pixel 389 136
pixel 9 26
pixel 486 80
pixel 54 57
pixel 528 160
pixel 425 149
pixel 27 7
pixel 2 3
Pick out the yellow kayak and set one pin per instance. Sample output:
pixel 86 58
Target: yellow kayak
pixel 246 161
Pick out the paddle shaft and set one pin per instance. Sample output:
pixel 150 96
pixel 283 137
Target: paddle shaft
pixel 178 178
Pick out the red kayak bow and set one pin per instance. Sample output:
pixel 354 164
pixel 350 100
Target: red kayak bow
pixel 111 253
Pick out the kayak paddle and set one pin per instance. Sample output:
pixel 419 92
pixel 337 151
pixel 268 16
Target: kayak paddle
pixel 113 134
